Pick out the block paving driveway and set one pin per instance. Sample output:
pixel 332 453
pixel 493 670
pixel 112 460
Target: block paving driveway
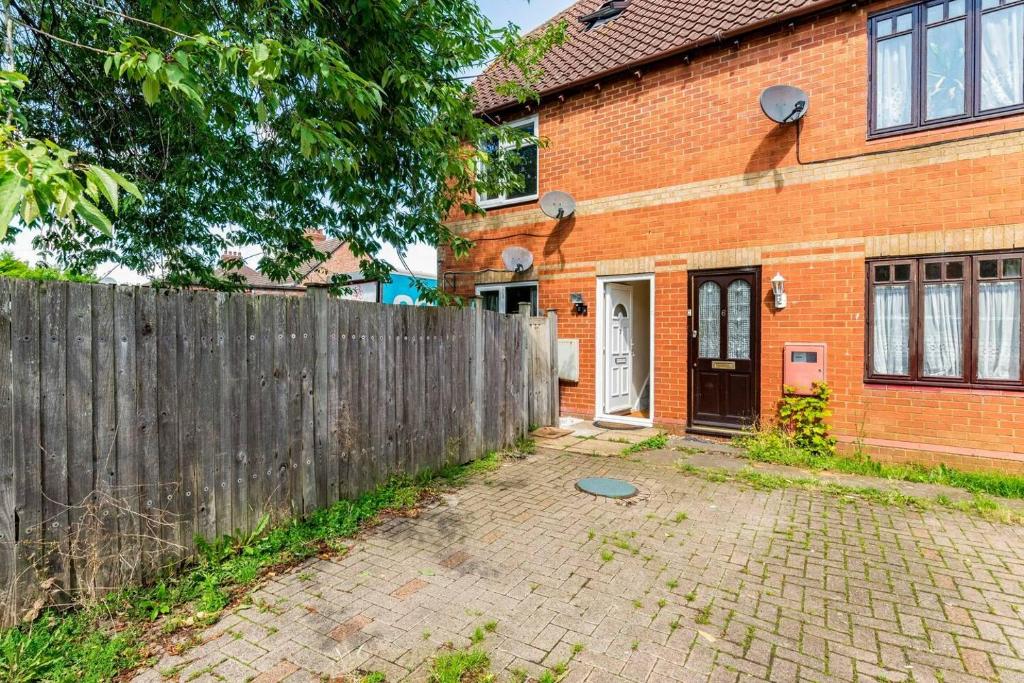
pixel 706 581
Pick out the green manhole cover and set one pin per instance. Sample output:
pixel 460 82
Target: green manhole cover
pixel 606 488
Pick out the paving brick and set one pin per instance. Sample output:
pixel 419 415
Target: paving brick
pixel 407 590
pixel 351 627
pixel 277 674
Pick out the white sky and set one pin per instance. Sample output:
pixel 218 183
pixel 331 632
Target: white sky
pixel 421 258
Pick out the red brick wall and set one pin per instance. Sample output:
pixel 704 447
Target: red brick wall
pixel 700 123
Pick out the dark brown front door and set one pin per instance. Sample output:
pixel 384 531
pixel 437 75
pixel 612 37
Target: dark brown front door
pixel 724 348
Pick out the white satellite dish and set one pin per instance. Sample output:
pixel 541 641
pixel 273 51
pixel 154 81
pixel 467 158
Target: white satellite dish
pixel 784 103
pixel 517 259
pixel 557 205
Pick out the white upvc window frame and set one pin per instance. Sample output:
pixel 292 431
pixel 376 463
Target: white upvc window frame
pixel 493 202
pixel 502 290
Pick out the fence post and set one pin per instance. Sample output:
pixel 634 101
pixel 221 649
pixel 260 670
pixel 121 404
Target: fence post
pixel 526 355
pixel 553 369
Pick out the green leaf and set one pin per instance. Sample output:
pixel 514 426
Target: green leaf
pixel 126 185
pixel 94 217
pixel 106 183
pixel 108 65
pixel 151 90
pixel 154 61
pixel 12 190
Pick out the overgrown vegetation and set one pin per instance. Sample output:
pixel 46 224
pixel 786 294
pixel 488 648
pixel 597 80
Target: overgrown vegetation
pixel 101 641
pixel 802 439
pixel 805 418
pixel 776 447
pixel 656 442
pixel 980 504
pixel 13 268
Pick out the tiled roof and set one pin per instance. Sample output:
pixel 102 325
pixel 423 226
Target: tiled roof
pixel 646 30
pixel 310 272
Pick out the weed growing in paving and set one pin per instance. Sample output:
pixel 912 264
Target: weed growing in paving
pixel 748 640
pixel 81 645
pixel 374 677
pixel 672 584
pixel 704 614
pixel 680 517
pixel 654 443
pixel 607 555
pixel 459 666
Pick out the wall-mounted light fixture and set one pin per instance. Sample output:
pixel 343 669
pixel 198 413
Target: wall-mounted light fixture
pixel 779 289
pixel 579 307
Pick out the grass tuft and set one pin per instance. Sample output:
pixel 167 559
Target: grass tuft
pixel 654 443
pixel 460 667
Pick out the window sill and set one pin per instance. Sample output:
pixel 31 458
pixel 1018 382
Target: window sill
pixel 502 203
pixel 917 384
pixel 939 125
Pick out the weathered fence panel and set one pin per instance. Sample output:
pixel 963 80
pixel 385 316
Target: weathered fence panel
pixel 542 383
pixel 134 419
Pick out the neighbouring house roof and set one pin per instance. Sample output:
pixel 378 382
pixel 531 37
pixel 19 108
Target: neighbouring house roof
pixel 645 30
pixel 340 261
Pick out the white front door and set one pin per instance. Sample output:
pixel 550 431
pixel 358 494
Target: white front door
pixel 618 347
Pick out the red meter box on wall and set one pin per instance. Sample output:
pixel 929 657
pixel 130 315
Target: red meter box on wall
pixel 803 365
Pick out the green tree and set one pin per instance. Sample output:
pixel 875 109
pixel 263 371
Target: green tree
pixel 246 123
pixel 13 268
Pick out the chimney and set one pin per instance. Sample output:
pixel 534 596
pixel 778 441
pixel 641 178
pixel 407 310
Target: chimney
pixel 230 257
pixel 314 235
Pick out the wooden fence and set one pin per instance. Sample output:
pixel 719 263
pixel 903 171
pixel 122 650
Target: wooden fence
pixel 134 419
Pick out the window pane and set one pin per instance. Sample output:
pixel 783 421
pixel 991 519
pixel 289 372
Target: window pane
pixel 902 272
pixel 1002 58
pixel 520 295
pixel 883 273
pixel 489 300
pixel 990 268
pixel 943 330
pixel 955 270
pixel 892 330
pixel 957 8
pixel 739 320
pixel 935 13
pixel 904 22
pixel 893 66
pixel 999 330
pixel 527 168
pixel 946 69
pixel 884 28
pixel 933 271
pixel 1011 267
pixel 709 313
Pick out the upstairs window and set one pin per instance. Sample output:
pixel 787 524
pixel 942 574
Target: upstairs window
pixel 527 166
pixel 606 13
pixel 945 61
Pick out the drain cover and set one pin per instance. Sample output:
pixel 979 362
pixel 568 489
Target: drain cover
pixel 606 488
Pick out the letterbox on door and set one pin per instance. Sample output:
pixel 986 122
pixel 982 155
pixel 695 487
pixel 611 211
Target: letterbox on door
pixel 803 365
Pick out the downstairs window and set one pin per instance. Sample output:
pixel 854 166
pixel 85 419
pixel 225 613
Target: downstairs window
pixel 946 320
pixel 506 298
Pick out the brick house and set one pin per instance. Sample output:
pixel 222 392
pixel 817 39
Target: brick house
pixel 893 212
